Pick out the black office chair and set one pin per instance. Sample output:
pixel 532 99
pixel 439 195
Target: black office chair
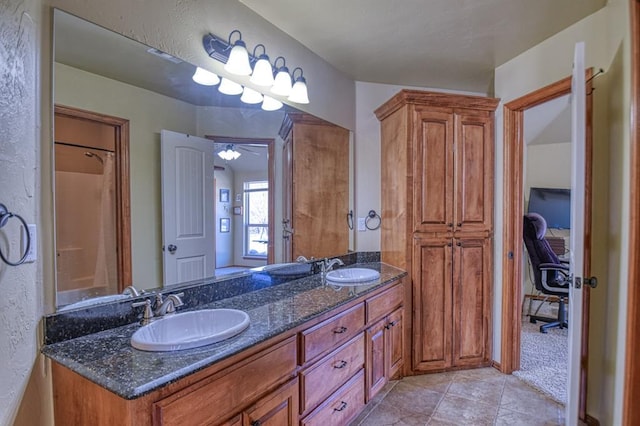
pixel 551 276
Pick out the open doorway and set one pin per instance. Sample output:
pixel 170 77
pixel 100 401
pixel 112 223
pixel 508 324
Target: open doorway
pixel 512 274
pixel 547 194
pixel 245 218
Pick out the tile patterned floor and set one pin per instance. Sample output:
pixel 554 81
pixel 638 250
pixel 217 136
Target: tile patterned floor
pixel 471 397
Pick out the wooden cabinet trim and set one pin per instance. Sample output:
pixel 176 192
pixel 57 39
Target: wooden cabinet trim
pixel 323 337
pixel 279 408
pixel 229 389
pixel 328 374
pixel 341 407
pixel 382 304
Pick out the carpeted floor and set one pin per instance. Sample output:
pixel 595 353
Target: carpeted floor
pixel 543 360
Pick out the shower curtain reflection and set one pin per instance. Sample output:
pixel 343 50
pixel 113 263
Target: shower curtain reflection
pixel 85 223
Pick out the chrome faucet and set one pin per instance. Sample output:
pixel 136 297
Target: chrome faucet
pixel 131 291
pixel 168 305
pixel 163 307
pixel 325 265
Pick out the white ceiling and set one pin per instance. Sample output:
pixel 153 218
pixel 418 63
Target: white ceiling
pixel 449 44
pixel 549 122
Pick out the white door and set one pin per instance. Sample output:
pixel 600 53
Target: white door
pixel 188 207
pixel 578 130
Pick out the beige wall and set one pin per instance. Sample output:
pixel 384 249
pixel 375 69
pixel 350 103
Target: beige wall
pixel 25 394
pixel 550 61
pixel 148 113
pixel 547 166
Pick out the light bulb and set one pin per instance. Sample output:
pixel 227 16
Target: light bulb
pixel 262 72
pixel 270 104
pixel 204 77
pixel 238 62
pixel 299 93
pixel 282 83
pixel 229 87
pixel 250 96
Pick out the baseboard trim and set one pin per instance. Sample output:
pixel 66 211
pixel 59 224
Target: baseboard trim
pixel 496 365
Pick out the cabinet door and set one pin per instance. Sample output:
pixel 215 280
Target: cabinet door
pixel 471 301
pixel 376 358
pixel 433 171
pixel 394 342
pixel 320 200
pixel 432 298
pixel 277 409
pixel 474 172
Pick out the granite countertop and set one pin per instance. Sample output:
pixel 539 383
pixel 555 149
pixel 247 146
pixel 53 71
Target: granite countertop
pixel 108 359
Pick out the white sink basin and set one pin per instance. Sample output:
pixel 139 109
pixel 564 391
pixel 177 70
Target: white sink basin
pixel 351 276
pixel 190 330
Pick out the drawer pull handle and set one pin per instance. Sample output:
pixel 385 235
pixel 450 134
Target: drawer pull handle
pixel 256 423
pixel 341 364
pixel 340 330
pixel 393 323
pixel 343 405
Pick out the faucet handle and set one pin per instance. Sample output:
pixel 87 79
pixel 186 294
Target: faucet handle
pixel 147 315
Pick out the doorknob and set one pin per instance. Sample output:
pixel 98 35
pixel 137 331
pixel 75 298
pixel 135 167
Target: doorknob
pixel 172 248
pixel 591 282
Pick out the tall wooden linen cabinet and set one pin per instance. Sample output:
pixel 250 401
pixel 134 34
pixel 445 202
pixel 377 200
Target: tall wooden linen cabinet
pixel 315 187
pixel 437 223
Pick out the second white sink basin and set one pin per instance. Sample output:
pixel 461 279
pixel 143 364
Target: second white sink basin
pixel 190 330
pixel 351 276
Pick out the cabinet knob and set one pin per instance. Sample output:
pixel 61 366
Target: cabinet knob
pixel 459 224
pixel 449 244
pixel 342 406
pixel 450 225
pixel 340 330
pixel 256 423
pixel 458 243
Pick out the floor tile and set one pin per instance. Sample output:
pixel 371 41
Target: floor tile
pixel 461 411
pixel 518 396
pixel 488 390
pixel 508 418
pixel 389 414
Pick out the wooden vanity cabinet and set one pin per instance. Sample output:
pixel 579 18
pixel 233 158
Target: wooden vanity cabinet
pixel 437 201
pixel 314 374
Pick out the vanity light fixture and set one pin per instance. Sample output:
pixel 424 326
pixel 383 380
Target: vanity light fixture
pixel 229 87
pixel 229 153
pixel 271 104
pixel 238 62
pixel 299 93
pixel 282 83
pixel 250 96
pixel 262 71
pixel 204 77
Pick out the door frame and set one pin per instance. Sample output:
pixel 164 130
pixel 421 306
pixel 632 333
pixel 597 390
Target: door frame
pixel 122 190
pixel 271 166
pixel 512 252
pixel 631 409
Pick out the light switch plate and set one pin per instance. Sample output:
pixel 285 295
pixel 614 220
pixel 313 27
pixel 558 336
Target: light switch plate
pixel 362 227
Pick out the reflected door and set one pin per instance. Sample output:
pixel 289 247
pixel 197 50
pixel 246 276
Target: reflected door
pixel 188 204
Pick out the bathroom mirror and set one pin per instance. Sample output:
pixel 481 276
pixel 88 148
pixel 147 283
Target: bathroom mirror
pixel 113 98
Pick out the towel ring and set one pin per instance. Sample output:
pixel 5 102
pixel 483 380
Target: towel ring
pixel 372 216
pixel 5 215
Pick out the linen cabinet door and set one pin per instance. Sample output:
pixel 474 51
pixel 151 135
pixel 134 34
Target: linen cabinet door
pixel 433 170
pixel 474 172
pixel 432 299
pixel 471 301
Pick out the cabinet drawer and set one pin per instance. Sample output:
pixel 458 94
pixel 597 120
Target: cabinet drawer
pixel 330 373
pixel 222 395
pixel 342 406
pixel 330 333
pixel 384 303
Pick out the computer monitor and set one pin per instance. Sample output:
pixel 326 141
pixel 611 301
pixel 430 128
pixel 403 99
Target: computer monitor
pixel 554 204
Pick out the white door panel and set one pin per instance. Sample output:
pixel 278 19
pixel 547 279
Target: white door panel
pixel 578 130
pixel 188 221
